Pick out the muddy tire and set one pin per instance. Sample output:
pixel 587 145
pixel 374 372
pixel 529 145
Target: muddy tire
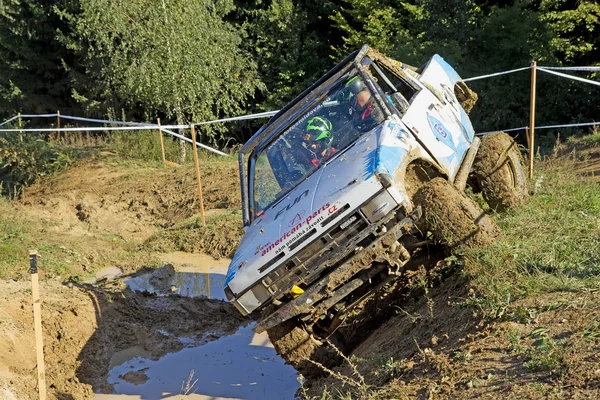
pixel 296 346
pixel 453 218
pixel 499 173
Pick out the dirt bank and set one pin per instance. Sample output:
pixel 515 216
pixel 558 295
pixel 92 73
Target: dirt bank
pixel 85 326
pixel 132 202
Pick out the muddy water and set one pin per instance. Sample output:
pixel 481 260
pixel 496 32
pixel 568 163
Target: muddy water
pixel 239 366
pixel 194 275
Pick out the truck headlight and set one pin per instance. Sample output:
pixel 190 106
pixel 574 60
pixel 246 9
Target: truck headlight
pixel 252 299
pixel 379 207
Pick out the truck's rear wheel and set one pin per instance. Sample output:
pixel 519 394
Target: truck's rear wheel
pixel 453 218
pixel 499 173
pixel 297 347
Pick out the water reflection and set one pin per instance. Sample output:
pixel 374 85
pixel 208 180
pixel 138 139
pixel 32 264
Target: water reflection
pixel 207 283
pixel 239 366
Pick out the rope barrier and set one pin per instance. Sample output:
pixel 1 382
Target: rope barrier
pixel 167 128
pixel 576 78
pixel 135 126
pixel 541 127
pixel 572 68
pixel 502 130
pixel 495 74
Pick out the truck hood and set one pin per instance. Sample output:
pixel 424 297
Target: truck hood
pixel 333 191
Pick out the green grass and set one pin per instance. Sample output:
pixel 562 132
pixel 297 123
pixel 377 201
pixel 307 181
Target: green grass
pixel 552 243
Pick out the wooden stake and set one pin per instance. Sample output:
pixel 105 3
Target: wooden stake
pixel 162 143
pixel 198 175
pixel 37 320
pixel 20 132
pixel 58 125
pixel 532 118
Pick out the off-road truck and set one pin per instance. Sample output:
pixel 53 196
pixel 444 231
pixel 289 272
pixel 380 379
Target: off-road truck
pixel 326 227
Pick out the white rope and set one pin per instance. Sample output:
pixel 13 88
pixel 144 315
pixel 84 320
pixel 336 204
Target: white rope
pixel 191 141
pixel 572 68
pixel 576 78
pixel 541 127
pixel 155 126
pixel 568 125
pixel 91 129
pixel 495 74
pixel 9 120
pixel 501 130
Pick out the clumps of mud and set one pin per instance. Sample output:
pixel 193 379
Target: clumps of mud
pixel 135 377
pixel 85 326
pixel 162 277
pixel 453 218
pixel 130 202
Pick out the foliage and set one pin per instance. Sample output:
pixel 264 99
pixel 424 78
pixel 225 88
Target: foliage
pixel 33 62
pixel 177 58
pixel 550 243
pixel 197 60
pixel 291 42
pixel 25 158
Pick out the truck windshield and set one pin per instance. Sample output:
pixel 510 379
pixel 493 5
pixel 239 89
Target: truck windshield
pixel 322 131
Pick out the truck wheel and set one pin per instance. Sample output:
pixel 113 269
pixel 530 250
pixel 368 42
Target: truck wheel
pixel 453 218
pixel 296 346
pixel 499 173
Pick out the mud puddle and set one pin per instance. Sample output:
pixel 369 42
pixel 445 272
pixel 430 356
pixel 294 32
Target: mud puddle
pixel 186 274
pixel 239 366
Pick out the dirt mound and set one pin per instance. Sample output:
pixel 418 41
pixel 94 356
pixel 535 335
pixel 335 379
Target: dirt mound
pixel 85 326
pixel 219 238
pixel 131 202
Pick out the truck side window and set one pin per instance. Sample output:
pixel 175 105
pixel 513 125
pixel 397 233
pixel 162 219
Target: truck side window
pixel 399 91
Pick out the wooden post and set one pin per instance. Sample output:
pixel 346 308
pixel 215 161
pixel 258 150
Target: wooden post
pixel 20 132
pixel 37 320
pixel 162 143
pixel 532 118
pixel 58 125
pixel 527 136
pixel 198 175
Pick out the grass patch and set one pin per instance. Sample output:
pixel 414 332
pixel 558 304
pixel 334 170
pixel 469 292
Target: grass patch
pixel 552 243
pixel 219 238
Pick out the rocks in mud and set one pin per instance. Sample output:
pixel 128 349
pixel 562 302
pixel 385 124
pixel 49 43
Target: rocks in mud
pixel 83 212
pixel 135 377
pixel 162 277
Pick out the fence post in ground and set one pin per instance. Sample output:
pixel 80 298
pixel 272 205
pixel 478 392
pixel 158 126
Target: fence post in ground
pixel 20 126
pixel 162 143
pixel 58 126
pixel 198 175
pixel 532 118
pixel 37 320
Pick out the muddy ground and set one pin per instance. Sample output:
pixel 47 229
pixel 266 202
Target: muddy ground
pixel 111 213
pixel 84 326
pixel 437 345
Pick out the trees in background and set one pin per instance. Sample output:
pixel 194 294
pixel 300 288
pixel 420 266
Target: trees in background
pixel 194 60
pixel 34 65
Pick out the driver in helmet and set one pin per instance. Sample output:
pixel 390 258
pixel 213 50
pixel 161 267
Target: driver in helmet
pixel 318 138
pixel 365 113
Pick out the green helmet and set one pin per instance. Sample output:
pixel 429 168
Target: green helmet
pixel 319 128
pixel 352 88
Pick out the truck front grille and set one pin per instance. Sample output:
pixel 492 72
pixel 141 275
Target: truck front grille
pixel 326 251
